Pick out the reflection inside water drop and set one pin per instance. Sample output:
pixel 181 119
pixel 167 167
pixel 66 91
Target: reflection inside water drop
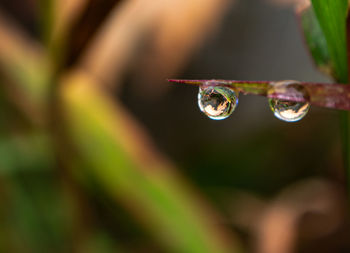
pixel 289 111
pixel 217 102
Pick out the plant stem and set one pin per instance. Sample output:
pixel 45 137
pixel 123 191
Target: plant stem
pixel 345 127
pixel 345 120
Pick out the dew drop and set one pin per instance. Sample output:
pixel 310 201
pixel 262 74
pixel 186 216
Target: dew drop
pixel 217 102
pixel 289 111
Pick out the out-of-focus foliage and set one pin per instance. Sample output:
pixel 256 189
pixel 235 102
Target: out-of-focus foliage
pixel 88 148
pixel 79 173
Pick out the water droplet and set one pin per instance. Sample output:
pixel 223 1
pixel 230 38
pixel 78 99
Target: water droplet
pixel 217 102
pixel 287 110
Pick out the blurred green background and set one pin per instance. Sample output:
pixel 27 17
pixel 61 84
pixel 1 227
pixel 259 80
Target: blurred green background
pixel 99 153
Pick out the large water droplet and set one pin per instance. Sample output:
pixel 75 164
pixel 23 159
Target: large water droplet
pixel 217 102
pixel 287 110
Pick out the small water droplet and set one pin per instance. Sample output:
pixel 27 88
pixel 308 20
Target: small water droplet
pixel 287 110
pixel 217 102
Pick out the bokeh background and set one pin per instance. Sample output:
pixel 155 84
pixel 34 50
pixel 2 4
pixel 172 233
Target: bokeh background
pixel 99 153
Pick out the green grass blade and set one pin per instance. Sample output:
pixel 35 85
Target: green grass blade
pixel 332 15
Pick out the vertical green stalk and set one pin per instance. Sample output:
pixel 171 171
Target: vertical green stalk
pixel 332 17
pixel 346 116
